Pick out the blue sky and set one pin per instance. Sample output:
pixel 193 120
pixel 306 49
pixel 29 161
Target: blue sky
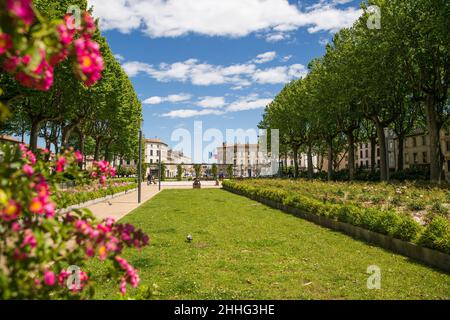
pixel 219 62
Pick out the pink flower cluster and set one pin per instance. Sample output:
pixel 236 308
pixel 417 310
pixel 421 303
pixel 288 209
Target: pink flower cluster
pixel 130 276
pixel 65 274
pixel 27 154
pixel 21 9
pixel 41 204
pixel 27 245
pixel 102 170
pixel 89 62
pixel 97 238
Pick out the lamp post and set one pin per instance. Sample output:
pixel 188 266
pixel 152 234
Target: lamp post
pixel 160 167
pixel 140 163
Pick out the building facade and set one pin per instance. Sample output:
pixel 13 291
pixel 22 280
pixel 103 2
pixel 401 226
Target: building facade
pixel 249 161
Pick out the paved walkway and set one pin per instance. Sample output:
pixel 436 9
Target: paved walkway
pixel 119 207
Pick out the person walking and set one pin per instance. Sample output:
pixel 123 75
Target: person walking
pixel 149 179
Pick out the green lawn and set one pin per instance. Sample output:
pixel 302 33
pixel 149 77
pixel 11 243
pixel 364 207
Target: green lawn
pixel 245 250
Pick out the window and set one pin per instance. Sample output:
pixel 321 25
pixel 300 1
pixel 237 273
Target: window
pixel 157 153
pixel 448 146
pixel 424 140
pixel 361 154
pixel 414 142
pixel 406 157
pixel 415 158
pixel 151 160
pixel 151 152
pixel 367 163
pixel 367 153
pixel 378 152
pixel 424 157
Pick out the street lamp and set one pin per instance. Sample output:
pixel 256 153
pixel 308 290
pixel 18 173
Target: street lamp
pixel 140 162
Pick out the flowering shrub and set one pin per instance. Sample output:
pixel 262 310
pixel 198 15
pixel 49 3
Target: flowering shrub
pixel 38 247
pixel 31 46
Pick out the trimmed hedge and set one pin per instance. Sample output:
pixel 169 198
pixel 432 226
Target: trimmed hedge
pixel 65 199
pixel 435 235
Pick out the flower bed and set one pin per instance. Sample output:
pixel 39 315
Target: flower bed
pixel 79 195
pixel 333 201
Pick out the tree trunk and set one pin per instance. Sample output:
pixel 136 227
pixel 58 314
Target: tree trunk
pixel 66 132
pixel 82 139
pixel 34 133
pixel 351 155
pixel 433 131
pixel 97 149
pixel 310 163
pixel 373 147
pixel 401 150
pixel 382 144
pixel 330 159
pixel 295 152
pixel 107 150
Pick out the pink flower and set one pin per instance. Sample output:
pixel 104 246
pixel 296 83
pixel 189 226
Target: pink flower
pixel 5 43
pixel 37 206
pixel 90 62
pixel 123 286
pixel 31 157
pixel 21 9
pixel 65 34
pixel 78 156
pixel 102 180
pixel 60 164
pixel 49 278
pixel 89 23
pixel 50 209
pixel 10 64
pixel 112 172
pixel 29 239
pixel 28 170
pixel 16 227
pixel 11 211
pixel 43 191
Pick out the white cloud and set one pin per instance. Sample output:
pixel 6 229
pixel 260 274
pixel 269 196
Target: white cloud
pixel 119 57
pixel 280 74
pixel 211 102
pixel 217 106
pixel 248 103
pixel 286 58
pixel 231 18
pixel 173 98
pixel 187 113
pixel 204 74
pixel 265 57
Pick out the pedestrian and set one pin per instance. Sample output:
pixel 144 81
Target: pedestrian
pixel 149 179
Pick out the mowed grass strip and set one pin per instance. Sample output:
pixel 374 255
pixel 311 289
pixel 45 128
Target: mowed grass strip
pixel 245 250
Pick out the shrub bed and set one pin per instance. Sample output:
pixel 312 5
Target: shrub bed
pixel 77 196
pixel 434 235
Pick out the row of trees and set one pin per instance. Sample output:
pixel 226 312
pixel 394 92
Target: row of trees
pixel 101 120
pixel 371 79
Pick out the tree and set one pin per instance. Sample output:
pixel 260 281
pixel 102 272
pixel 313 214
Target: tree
pixel 180 172
pixel 214 171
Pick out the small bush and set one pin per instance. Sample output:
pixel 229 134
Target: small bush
pixel 437 235
pixel 417 205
